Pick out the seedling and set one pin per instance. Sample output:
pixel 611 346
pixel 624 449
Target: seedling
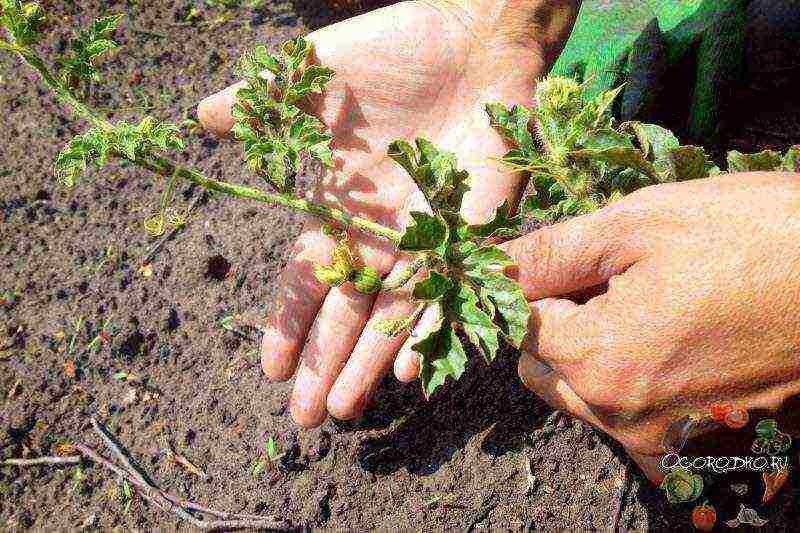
pixel 271 455
pixel 102 337
pixel 580 159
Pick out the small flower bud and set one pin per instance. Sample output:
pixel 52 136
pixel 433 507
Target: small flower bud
pixel 367 281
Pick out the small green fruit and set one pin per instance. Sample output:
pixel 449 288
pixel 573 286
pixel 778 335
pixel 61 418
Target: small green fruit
pixel 368 281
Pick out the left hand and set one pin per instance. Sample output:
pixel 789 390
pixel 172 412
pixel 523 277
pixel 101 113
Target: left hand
pixel 415 69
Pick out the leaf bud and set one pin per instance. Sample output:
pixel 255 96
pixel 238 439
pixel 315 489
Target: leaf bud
pixel 367 281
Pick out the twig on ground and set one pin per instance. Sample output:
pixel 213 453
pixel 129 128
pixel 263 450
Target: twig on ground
pixel 489 504
pixel 619 497
pixel 147 489
pixel 51 460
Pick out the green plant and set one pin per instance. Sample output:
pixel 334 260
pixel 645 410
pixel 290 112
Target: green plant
pixel 580 159
pixel 271 455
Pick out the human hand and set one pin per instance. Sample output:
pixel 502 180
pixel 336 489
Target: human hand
pixel 416 69
pixel 702 306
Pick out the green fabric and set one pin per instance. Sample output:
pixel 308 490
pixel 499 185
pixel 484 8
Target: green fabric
pixel 607 30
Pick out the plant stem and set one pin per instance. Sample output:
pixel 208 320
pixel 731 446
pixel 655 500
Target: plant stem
pixel 162 165
pixel 401 278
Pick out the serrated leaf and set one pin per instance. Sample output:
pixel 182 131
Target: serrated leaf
pixel 441 355
pixel 426 232
pixel 510 302
pixel 617 158
pixel 656 142
pixel 791 161
pixel 462 306
pixel 485 260
pixel 404 155
pixel 765 161
pixel 687 163
pixel 513 124
pixel 431 288
pixel 502 225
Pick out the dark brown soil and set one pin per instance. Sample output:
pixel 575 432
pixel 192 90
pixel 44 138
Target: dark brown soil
pixel 453 463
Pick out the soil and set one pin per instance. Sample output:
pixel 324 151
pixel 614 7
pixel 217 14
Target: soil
pixel 72 258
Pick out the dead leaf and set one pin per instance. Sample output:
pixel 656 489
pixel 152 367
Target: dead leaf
pixel 64 448
pixel 185 463
pixel 146 270
pixel 773 481
pixel 69 368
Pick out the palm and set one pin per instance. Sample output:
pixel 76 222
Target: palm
pixel 412 70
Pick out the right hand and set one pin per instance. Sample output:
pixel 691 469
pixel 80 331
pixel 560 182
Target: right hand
pixel 416 69
pixel 700 306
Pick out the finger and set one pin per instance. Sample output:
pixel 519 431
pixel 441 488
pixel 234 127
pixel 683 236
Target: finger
pixel 299 297
pixel 330 342
pixel 407 364
pixel 373 355
pixel 573 255
pixel 561 334
pixel 215 111
pixel 650 465
pixel 551 387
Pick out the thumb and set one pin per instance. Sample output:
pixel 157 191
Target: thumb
pixel 572 256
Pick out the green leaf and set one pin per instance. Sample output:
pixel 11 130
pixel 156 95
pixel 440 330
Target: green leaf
pixel 765 161
pixel 513 124
pixel 431 288
pixel 313 80
pixel 426 232
pixel 485 260
pixel 687 163
pixel 617 158
pixel 791 161
pixel 656 142
pixel 510 302
pixel 441 355
pixel 272 449
pixel 462 306
pixel 296 51
pixel 501 226
pixel 404 155
pixel 532 207
pixel 604 139
pixel 434 171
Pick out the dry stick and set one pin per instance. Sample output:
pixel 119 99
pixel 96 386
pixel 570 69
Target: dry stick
pixel 619 495
pixel 53 460
pixel 152 493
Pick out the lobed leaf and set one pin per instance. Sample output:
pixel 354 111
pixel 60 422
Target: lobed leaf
pixel 502 225
pixel 434 287
pixel 765 161
pixel 510 302
pixel 462 306
pixel 426 232
pixel 441 356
